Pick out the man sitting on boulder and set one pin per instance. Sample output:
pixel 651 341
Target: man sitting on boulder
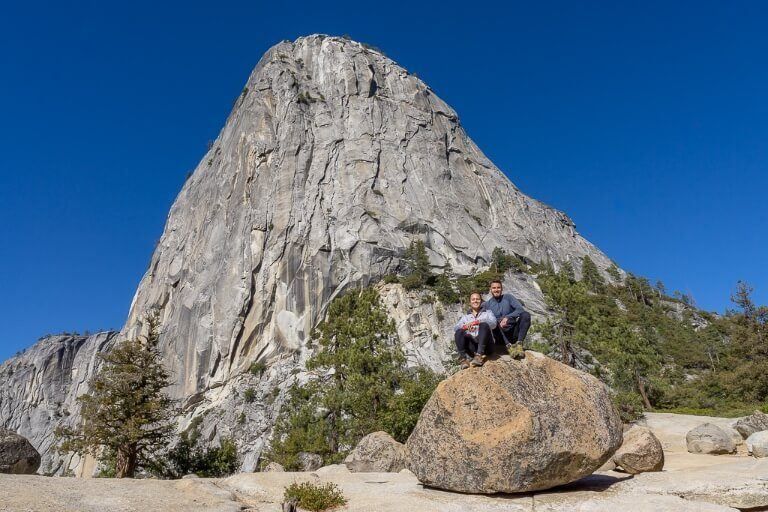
pixel 472 334
pixel 513 320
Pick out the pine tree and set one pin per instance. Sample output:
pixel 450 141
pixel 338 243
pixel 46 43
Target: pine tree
pixel 743 299
pixel 418 271
pixel 613 271
pixel 125 411
pixel 591 275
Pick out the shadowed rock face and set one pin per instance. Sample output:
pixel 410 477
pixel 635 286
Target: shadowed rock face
pixel 514 426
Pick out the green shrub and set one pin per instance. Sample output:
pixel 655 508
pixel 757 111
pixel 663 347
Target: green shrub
pixel 629 405
pixel 249 395
pixel 391 279
pixel 315 497
pixel 257 368
pixel 189 458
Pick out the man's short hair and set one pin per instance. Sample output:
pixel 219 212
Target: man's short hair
pixel 495 281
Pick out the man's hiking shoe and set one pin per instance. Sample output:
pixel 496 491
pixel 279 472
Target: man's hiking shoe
pixel 516 350
pixel 464 363
pixel 478 360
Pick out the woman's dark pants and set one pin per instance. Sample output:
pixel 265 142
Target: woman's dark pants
pixel 467 345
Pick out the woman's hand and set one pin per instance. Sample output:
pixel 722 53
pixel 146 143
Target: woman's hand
pixel 470 324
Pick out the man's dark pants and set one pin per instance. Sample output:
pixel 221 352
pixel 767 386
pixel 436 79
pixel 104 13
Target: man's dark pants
pixel 468 345
pixel 514 332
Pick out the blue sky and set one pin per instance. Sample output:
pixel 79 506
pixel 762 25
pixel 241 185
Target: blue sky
pixel 645 122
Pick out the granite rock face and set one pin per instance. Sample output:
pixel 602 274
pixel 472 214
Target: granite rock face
pixel 332 161
pixel 514 426
pixel 17 456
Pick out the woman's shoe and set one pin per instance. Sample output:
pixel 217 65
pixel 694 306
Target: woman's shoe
pixel 464 363
pixel 478 360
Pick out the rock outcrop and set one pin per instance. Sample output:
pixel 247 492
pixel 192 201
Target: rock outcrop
pixel 377 452
pixel 514 426
pixel 709 438
pixel 640 452
pixel 17 455
pixel 40 388
pixel 332 161
pixel 748 425
pixel 757 444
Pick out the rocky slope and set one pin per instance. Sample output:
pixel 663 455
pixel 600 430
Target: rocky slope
pixel 332 161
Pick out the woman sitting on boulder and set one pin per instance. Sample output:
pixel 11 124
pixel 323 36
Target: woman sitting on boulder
pixel 473 333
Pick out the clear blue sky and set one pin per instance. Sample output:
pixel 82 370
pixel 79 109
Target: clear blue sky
pixel 646 122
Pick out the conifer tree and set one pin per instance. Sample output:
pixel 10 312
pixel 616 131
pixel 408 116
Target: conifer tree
pixel 418 271
pixel 591 275
pixel 125 411
pixel 613 271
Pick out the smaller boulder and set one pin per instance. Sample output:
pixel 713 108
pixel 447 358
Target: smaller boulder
pixel 757 444
pixel 309 461
pixel 711 439
pixel 640 452
pixel 748 425
pixel 273 467
pixel 377 452
pixel 17 455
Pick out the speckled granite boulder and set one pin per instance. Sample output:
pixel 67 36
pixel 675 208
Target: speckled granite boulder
pixel 711 439
pixel 640 452
pixel 514 426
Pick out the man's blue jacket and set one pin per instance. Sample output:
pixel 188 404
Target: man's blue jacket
pixel 505 306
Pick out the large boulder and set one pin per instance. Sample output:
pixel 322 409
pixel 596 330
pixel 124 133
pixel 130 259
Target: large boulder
pixel 17 455
pixel 640 452
pixel 377 452
pixel 514 426
pixel 757 444
pixel 711 439
pixel 748 425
